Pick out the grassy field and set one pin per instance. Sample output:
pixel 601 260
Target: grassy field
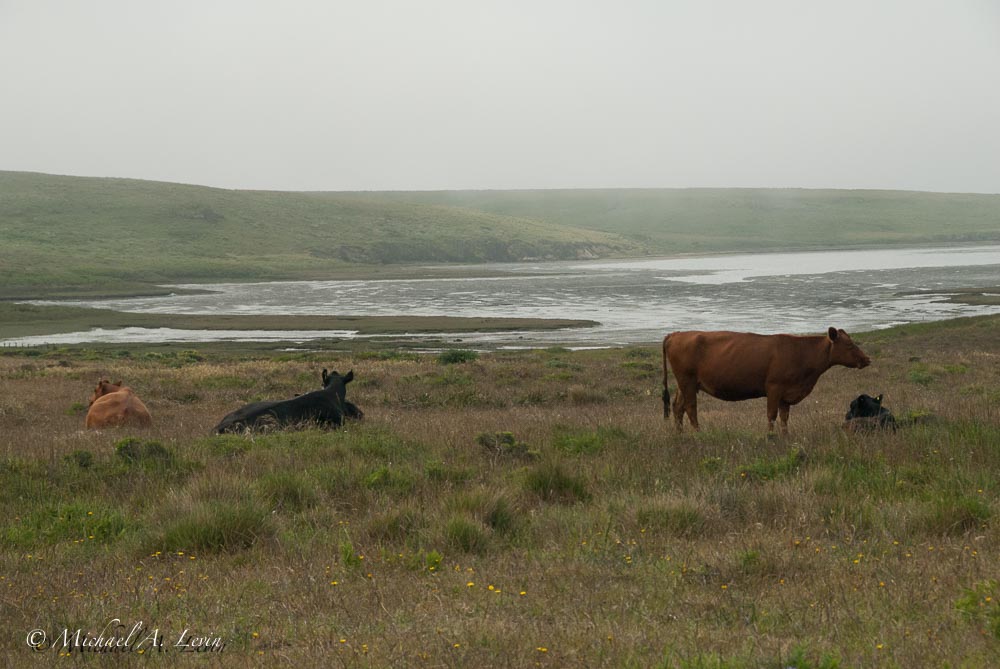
pixel 89 236
pixel 508 509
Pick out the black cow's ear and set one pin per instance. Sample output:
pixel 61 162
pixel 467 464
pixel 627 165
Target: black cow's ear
pixel 324 376
pixel 349 377
pixel 879 399
pixel 832 333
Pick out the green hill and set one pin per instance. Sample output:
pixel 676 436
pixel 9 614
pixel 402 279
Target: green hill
pixel 77 234
pixel 109 235
pixel 667 221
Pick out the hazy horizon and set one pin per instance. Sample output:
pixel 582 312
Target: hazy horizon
pixel 487 190
pixel 450 95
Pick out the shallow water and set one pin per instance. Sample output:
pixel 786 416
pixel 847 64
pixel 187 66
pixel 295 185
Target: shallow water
pixel 633 300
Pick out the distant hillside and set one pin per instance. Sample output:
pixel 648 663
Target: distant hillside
pixel 666 221
pixel 112 235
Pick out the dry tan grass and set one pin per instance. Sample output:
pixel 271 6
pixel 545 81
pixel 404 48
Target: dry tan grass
pixel 718 549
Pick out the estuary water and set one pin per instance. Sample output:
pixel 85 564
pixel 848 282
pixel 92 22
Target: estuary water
pixel 634 301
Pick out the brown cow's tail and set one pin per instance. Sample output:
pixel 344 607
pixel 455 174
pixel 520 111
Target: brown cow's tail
pixel 666 390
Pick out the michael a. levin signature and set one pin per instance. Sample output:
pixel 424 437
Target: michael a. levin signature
pixel 118 637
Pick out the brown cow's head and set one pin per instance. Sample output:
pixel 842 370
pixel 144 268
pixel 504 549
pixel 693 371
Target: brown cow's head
pixel 845 352
pixel 103 388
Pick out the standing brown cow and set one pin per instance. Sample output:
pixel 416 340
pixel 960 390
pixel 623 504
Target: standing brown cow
pixel 113 404
pixel 736 366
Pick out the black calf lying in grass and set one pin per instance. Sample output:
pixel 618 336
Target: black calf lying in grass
pixel 867 414
pixel 327 407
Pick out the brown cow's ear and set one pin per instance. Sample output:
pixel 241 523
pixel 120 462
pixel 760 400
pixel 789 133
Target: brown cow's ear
pixel 832 333
pixel 118 382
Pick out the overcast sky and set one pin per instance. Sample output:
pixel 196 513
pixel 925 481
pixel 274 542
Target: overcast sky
pixel 477 94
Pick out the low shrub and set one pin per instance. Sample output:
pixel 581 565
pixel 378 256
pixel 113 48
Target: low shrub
pixel 456 356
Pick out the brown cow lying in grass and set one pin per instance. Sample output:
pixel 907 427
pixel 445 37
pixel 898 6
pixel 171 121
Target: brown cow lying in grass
pixel 736 366
pixel 114 404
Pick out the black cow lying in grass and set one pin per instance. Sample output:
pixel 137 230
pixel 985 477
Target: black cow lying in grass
pixel 327 407
pixel 867 414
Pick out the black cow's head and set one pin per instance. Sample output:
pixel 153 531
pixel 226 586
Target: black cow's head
pixel 335 377
pixel 867 415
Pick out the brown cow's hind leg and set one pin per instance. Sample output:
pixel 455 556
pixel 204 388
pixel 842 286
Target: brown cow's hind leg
pixel 679 410
pixel 687 391
pixel 692 412
pixel 772 411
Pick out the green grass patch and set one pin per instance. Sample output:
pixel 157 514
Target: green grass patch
pixel 456 356
pixel 770 469
pixel 505 444
pixel 550 482
pixel 677 519
pixel 391 479
pixel 397 525
pixel 145 452
pixel 74 521
pixel 980 605
pixel 288 491
pixel 578 441
pixel 439 472
pixel 215 526
pixel 467 535
pixel 955 515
